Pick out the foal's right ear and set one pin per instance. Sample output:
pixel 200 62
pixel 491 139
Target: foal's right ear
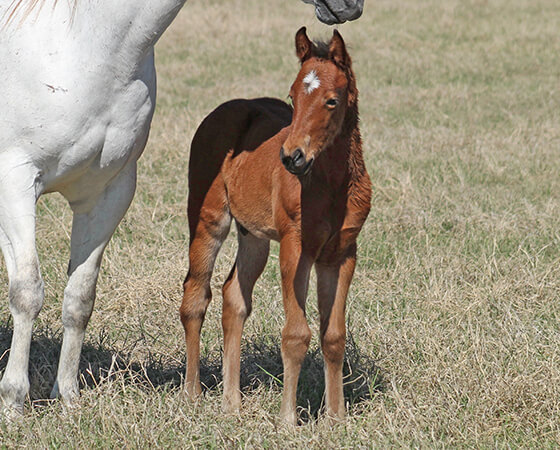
pixel 303 45
pixel 337 51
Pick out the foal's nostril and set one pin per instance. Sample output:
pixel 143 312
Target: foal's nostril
pixel 298 158
pixel 295 162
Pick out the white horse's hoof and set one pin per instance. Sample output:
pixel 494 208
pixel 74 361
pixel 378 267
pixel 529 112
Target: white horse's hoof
pixel 11 413
pixel 12 396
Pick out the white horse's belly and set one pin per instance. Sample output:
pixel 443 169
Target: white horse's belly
pixel 107 144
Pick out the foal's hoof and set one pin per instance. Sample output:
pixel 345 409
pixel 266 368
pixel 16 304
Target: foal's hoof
pixel 288 418
pixel 231 405
pixel 333 419
pixel 192 392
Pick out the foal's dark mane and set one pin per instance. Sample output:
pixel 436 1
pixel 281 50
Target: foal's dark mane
pixel 320 49
pixel 351 130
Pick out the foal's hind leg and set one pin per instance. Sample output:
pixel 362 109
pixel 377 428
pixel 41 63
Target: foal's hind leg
pixel 17 239
pixel 237 292
pixel 206 239
pixel 93 225
pixel 333 282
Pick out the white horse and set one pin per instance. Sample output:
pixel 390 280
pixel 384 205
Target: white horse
pixel 78 93
pixel 77 90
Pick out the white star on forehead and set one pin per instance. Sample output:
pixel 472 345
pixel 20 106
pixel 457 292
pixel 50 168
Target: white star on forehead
pixel 311 82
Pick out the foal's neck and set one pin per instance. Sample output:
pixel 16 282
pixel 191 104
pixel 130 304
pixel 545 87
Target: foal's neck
pixel 341 164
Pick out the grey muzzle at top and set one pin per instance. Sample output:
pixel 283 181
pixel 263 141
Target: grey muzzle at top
pixel 337 11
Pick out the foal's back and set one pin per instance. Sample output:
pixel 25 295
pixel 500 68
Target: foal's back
pixel 237 125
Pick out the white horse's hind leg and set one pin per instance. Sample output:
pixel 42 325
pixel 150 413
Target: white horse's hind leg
pixel 17 239
pixel 92 229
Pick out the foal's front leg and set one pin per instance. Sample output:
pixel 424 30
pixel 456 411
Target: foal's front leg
pixel 295 268
pixel 333 282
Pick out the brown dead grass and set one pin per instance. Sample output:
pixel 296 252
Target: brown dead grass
pixel 453 313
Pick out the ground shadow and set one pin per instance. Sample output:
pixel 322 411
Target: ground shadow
pixel 261 364
pixel 100 362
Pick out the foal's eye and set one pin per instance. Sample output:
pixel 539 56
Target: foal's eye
pixel 331 102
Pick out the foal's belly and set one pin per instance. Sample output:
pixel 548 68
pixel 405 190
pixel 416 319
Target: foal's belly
pixel 250 197
pixel 254 217
pixel 258 230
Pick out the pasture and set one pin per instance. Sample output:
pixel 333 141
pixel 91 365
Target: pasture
pixel 454 313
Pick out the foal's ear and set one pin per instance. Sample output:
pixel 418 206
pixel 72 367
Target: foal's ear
pixel 337 51
pixel 303 45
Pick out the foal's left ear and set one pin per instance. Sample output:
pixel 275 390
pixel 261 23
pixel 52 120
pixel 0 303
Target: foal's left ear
pixel 303 45
pixel 337 51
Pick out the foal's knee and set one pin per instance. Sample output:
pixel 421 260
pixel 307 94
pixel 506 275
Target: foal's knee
pixel 332 345
pixel 295 341
pixel 234 303
pixel 194 308
pixel 196 297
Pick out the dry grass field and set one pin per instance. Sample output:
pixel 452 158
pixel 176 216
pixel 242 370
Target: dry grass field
pixel 454 313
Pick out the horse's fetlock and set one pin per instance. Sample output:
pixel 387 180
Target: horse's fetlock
pixel 68 391
pixel 13 393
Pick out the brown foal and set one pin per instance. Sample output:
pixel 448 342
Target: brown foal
pixel 313 199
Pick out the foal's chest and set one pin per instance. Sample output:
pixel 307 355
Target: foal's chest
pixel 331 223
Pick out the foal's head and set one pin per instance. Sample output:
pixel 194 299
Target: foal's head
pixel 322 93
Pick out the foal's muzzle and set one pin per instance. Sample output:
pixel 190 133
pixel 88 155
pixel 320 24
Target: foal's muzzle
pixel 296 162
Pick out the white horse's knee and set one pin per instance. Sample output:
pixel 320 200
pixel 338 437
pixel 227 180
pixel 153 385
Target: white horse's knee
pixel 26 297
pixel 77 308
